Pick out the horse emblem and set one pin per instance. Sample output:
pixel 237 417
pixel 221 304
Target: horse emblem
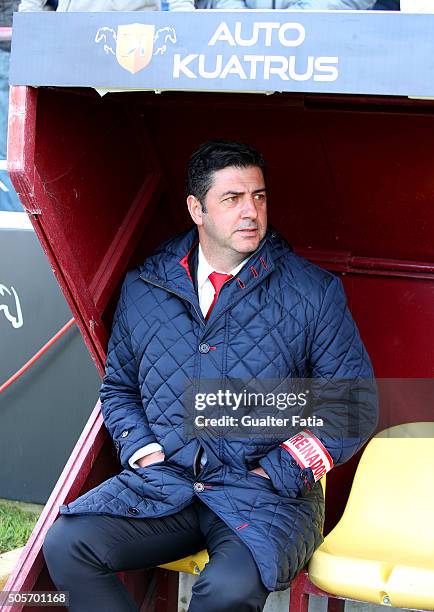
pixel 16 321
pixel 133 44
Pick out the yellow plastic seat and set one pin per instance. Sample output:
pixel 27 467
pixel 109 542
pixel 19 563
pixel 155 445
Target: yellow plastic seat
pixel 382 550
pixel 194 564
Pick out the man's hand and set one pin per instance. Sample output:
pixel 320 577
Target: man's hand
pixel 260 472
pixel 151 458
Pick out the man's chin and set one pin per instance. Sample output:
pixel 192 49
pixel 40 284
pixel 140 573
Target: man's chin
pixel 247 245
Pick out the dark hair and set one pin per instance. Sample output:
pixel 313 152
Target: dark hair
pixel 216 155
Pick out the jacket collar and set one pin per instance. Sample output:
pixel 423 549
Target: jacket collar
pixel 204 269
pixel 170 268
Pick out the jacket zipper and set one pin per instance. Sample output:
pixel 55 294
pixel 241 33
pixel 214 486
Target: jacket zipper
pixel 203 323
pixel 195 459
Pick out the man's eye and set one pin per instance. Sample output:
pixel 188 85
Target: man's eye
pixel 231 200
pixel 259 197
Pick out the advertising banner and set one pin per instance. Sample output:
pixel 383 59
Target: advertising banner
pixel 261 51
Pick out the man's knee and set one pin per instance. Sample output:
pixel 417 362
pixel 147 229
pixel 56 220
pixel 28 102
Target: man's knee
pixel 230 592
pixel 56 541
pixel 63 547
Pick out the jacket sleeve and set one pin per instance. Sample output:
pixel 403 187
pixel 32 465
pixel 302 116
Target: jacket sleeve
pixel 121 404
pixel 344 390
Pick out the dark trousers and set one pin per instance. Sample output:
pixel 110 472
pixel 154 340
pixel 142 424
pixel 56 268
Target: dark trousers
pixel 83 554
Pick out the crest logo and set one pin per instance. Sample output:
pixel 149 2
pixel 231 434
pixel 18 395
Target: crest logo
pixel 133 44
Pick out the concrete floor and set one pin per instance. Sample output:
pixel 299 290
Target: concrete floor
pixel 277 602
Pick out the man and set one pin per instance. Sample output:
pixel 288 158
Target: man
pixel 226 301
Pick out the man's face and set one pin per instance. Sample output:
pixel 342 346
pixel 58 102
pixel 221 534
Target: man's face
pixel 236 217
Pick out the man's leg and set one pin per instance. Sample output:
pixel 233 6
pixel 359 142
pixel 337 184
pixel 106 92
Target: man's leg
pixel 83 554
pixel 230 581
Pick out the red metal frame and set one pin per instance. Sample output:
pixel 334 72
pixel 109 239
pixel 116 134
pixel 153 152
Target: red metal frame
pixel 102 181
pixel 30 564
pixel 302 588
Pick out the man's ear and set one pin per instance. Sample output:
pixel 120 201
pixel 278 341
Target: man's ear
pixel 195 209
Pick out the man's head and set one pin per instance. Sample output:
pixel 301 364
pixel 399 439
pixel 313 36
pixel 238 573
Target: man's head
pixel 227 200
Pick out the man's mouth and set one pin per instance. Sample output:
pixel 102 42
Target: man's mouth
pixel 249 231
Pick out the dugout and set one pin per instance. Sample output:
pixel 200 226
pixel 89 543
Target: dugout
pixel 350 186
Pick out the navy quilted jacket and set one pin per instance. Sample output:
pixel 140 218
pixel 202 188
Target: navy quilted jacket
pixel 281 317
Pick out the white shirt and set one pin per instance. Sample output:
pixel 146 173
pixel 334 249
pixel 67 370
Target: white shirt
pixel 206 292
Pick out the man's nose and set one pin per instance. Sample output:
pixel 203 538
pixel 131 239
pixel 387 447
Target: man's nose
pixel 249 208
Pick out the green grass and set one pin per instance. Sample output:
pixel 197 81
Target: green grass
pixel 15 525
